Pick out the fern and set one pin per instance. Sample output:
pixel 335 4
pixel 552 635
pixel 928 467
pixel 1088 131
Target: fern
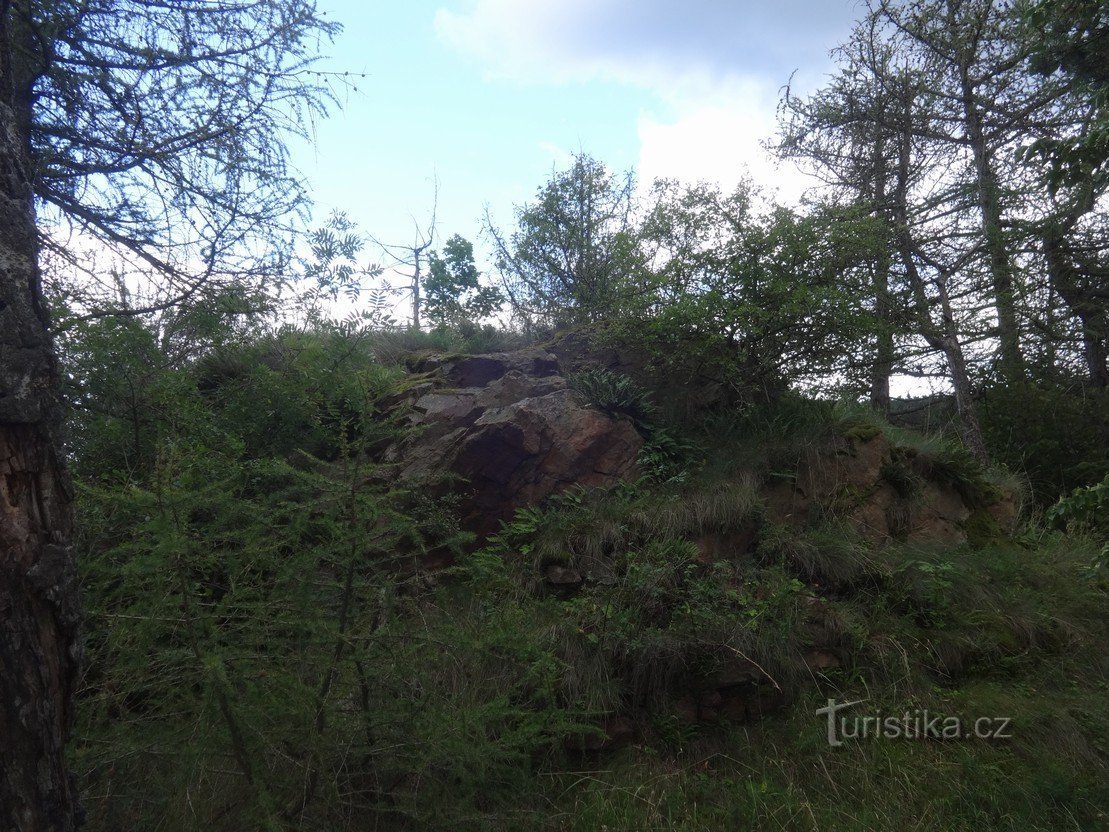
pixel 616 394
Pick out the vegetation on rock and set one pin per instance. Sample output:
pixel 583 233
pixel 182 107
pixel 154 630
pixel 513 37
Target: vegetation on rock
pixel 598 564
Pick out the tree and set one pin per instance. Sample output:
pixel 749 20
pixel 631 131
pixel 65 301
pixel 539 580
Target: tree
pixel 453 293
pixel 1071 37
pixel 756 299
pixel 840 135
pixel 878 132
pixel 155 128
pixel 574 256
pixel 39 650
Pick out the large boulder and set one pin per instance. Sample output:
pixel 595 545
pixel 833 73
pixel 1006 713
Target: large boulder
pixel 506 431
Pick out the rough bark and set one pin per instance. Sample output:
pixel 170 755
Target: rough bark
pixel 39 650
pixel 989 205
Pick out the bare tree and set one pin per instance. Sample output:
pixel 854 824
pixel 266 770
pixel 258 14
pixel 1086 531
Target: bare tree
pixel 409 260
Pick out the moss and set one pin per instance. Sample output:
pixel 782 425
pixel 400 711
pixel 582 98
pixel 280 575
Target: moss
pixel 982 529
pixel 862 431
pixel 849 498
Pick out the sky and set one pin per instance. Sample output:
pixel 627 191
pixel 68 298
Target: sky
pixel 480 100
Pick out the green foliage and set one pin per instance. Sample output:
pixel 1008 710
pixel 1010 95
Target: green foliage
pixel 1086 510
pixel 756 299
pixel 665 456
pixel 1058 436
pixel 653 617
pixel 574 256
pixel 1084 507
pixel 255 600
pixel 453 293
pixel 1071 37
pixel 666 618
pixel 615 394
pixel 334 267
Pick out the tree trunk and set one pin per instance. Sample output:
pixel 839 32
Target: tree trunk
pixel 883 355
pixel 946 337
pixel 1086 303
pixel 989 204
pixel 39 649
pixel 883 307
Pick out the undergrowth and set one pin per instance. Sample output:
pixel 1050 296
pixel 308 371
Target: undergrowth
pixel 267 650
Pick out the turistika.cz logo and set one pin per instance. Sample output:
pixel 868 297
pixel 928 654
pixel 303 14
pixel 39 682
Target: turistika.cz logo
pixel 917 724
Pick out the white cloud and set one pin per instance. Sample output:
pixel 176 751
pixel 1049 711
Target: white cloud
pixel 716 67
pixel 645 41
pixel 717 137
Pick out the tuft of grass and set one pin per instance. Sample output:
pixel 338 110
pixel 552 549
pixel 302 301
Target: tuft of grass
pixel 830 556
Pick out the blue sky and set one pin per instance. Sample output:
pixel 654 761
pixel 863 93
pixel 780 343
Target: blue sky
pixel 487 96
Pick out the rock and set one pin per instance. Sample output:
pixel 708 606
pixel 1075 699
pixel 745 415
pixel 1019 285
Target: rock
pixel 741 673
pixel 480 370
pixel 675 375
pixel 686 710
pixel 819 660
pixel 940 518
pixel 711 699
pixel 509 432
pixel 848 482
pixel 745 705
pixel 1006 512
pixel 619 731
pixel 561 576
pixel 713 546
pixel 615 732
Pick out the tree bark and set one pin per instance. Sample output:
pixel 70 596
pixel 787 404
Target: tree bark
pixel 989 205
pixel 39 649
pixel 883 306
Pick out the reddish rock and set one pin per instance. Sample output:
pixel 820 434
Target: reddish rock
pixel 940 518
pixel 562 576
pixel 614 732
pixel 1006 512
pixel 619 731
pixel 711 699
pixel 819 660
pixel 734 709
pixel 686 710
pixel 508 432
pixel 713 546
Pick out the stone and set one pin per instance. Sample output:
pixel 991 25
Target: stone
pixel 820 660
pixel 559 575
pixel 940 518
pixel 505 431
pixel 614 732
pixel 480 370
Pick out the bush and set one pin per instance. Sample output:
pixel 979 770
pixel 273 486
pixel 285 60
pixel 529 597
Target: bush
pixel 1059 436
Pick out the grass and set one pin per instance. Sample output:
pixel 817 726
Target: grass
pixel 461 698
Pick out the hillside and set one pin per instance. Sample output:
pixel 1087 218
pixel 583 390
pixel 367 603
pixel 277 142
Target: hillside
pixel 507 590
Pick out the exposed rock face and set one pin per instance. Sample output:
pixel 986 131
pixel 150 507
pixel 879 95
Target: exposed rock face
pixel 508 427
pixel 851 481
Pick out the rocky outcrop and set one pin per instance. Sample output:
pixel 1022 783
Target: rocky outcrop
pixel 506 431
pixel 866 481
